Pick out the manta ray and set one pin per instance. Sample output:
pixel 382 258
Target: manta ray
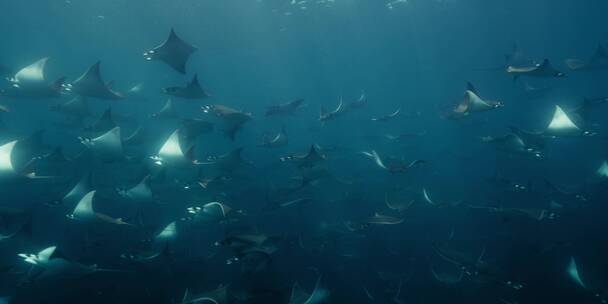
pixel 79 190
pixel 91 84
pixel 166 112
pixel 172 152
pixel 392 165
pixel 193 128
pixel 513 143
pixel 359 103
pixel 326 116
pixel 232 119
pixel 287 108
pixel 542 70
pixel 599 61
pixel 142 192
pixel 168 233
pixel 191 91
pixel 278 140
pixel 84 212
pixel 30 82
pixel 562 125
pixel 211 212
pixel 387 117
pixel 308 160
pixel 516 58
pixel 9 171
pixel 174 51
pixel 472 103
pixel 107 147
pixel 48 263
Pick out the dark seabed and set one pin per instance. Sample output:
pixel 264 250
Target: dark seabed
pixel 303 152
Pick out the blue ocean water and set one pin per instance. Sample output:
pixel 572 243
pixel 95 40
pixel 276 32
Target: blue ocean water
pixel 393 181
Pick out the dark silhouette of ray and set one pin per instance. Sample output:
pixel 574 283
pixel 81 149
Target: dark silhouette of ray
pixel 174 51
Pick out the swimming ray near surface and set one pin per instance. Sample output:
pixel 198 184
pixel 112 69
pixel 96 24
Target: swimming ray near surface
pixel 288 108
pixel 141 192
pixel 166 112
pixel 542 70
pixel 174 51
pixel 387 117
pixel 562 125
pixel 472 103
pixel 191 91
pixel 172 153
pixel 228 162
pixel 41 258
pixel 91 84
pixel 168 233
pixel 84 212
pixel 573 272
pixel 357 104
pixel 79 190
pixel 48 264
pixel 392 165
pixel 106 147
pixel 232 119
pixel 278 140
pixel 598 61
pixel 516 58
pixel 211 212
pixel 532 140
pixel 30 82
pixel 512 143
pixel 426 196
pixel 307 160
pixel 326 116
pixel 400 206
pixel 8 169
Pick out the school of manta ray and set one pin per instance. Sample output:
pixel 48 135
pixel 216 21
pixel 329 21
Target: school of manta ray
pixel 138 209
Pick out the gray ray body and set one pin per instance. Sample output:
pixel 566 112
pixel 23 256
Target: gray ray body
pixel 174 51
pixel 192 91
pixel 91 84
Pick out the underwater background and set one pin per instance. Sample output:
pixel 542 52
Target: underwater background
pixel 477 223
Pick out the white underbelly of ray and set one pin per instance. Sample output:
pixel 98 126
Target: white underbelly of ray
pixel 171 151
pixel 84 210
pixel 561 121
pixel 6 162
pixel 574 274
